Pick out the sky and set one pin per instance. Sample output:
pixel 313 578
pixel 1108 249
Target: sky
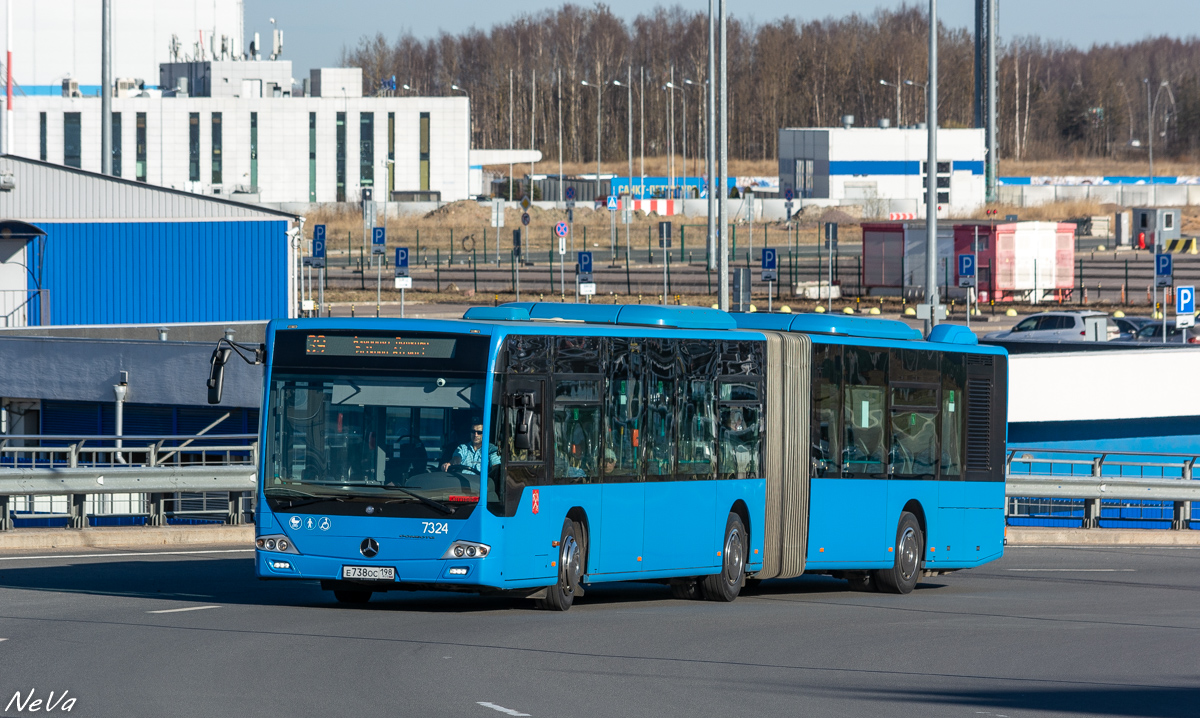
pixel 316 30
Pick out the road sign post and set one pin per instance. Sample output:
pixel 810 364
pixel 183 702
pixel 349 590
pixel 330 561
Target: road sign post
pixel 664 241
pixel 562 229
pixel 497 222
pixel 831 240
pixel 403 280
pixel 378 248
pixel 516 253
pixel 584 283
pixel 1185 309
pixel 770 272
pixel 1163 276
pixel 318 261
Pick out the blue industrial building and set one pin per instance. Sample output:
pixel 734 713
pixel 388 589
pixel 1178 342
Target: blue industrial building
pixel 122 252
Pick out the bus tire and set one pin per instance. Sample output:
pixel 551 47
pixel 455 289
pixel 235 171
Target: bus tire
pixel 351 595
pixel 863 581
pixel 561 595
pixel 910 549
pixel 726 585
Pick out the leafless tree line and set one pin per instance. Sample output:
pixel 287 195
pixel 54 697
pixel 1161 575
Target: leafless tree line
pixel 1054 100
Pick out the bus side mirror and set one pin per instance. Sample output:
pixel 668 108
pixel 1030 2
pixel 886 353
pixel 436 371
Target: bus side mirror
pixel 523 402
pixel 216 374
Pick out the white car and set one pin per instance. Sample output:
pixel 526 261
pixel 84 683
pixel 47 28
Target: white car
pixel 1054 327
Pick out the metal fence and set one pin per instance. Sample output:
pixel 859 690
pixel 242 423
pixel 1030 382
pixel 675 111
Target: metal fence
pixel 1065 488
pixel 45 479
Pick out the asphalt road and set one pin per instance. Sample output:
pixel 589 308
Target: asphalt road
pixel 1043 632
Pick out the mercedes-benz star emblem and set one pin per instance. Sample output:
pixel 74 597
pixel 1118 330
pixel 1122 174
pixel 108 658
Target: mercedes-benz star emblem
pixel 369 547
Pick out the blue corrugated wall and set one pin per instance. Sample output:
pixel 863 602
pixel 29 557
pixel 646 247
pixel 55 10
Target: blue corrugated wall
pixel 146 272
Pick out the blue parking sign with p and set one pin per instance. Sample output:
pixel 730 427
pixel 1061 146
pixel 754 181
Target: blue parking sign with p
pixel 1185 300
pixel 585 262
pixel 966 270
pixel 378 240
pixel 768 259
pixel 1162 270
pixel 401 263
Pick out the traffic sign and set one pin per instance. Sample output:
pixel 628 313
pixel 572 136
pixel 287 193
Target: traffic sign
pixel 612 203
pixel 587 289
pixel 401 262
pixel 525 202
pixel 1162 270
pixel 317 259
pixel 664 235
pixel 378 240
pixel 769 261
pixel 497 213
pixel 789 194
pixel 562 229
pixel 966 270
pixel 525 218
pixel 585 266
pixel 570 194
pixel 1185 300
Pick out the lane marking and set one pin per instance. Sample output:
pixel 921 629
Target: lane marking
pixel 181 610
pixel 501 709
pixel 1078 570
pixel 3 639
pixel 131 553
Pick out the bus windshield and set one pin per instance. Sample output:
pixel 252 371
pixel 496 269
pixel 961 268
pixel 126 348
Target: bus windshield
pixel 404 446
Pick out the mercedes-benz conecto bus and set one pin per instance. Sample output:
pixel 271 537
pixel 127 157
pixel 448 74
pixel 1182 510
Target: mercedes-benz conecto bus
pixel 538 448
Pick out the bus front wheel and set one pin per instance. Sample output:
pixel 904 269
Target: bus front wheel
pixel 561 595
pixel 906 568
pixel 726 585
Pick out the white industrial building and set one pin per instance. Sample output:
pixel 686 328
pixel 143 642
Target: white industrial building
pixel 882 167
pixel 271 145
pixel 55 40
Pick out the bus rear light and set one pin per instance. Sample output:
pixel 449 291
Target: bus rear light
pixel 467 549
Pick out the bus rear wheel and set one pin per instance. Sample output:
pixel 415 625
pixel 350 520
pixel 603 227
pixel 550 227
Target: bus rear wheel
pixel 906 568
pixel 561 595
pixel 351 595
pixel 726 585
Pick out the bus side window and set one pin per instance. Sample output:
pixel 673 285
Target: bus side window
pixel 740 431
pixel 697 449
pixel 576 431
pixel 623 404
pixel 865 450
pixel 660 408
pixel 954 380
pixel 523 402
pixel 827 410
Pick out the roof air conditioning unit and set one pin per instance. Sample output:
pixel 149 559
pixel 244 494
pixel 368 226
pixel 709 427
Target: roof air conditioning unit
pixel 847 121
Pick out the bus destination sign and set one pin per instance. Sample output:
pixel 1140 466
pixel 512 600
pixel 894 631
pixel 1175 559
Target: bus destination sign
pixel 376 346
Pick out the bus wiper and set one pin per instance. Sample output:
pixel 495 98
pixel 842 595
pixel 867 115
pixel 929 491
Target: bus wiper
pixel 309 498
pixel 423 499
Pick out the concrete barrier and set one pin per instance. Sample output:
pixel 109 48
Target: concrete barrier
pixel 127 537
pixel 1017 536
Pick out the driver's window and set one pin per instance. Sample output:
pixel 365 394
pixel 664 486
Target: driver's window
pixel 1027 325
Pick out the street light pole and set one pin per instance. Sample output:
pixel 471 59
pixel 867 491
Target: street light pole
pixel 1149 127
pixel 896 85
pixel 723 180
pixel 711 146
pixel 931 189
pixel 629 126
pixel 599 101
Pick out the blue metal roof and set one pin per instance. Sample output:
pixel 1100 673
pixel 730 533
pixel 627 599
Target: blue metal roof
pixel 952 334
pixel 838 324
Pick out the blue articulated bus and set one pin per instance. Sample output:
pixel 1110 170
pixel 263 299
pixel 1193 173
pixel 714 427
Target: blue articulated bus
pixel 538 448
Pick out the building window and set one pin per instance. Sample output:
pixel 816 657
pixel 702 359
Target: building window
pixel 366 149
pixel 141 147
pixel 391 155
pixel 116 144
pixel 312 157
pixel 72 150
pixel 253 151
pixel 804 178
pixel 42 149
pixel 194 146
pixel 216 148
pixel 341 157
pixel 424 151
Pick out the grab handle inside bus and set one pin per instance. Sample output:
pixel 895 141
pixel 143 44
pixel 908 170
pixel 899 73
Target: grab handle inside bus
pixel 523 402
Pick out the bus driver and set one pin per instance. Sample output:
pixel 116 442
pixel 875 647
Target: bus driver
pixel 471 455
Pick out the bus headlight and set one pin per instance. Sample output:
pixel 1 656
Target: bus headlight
pixel 467 549
pixel 275 543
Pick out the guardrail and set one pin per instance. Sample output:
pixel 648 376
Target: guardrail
pixel 1093 478
pixel 155 471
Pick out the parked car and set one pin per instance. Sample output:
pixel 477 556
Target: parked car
pixel 1130 326
pixel 1054 327
pixel 1153 334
